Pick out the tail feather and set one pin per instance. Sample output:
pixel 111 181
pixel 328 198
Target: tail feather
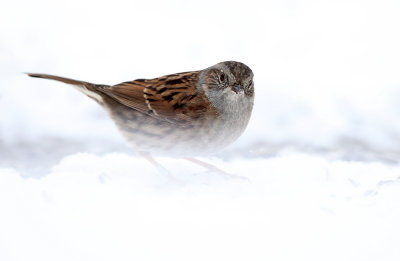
pixel 90 89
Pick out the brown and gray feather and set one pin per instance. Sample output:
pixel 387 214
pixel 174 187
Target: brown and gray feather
pixel 191 113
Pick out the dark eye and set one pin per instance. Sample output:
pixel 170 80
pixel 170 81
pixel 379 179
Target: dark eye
pixel 222 77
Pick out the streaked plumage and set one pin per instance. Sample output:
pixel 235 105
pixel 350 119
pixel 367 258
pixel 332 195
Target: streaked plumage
pixel 184 114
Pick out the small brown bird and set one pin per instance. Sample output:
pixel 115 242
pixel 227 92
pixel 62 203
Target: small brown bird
pixel 185 114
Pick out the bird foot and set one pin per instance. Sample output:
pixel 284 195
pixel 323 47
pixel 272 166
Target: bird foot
pixel 215 169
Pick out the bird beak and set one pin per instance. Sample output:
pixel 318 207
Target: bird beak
pixel 237 88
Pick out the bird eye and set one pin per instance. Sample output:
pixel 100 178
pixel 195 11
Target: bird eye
pixel 250 83
pixel 222 77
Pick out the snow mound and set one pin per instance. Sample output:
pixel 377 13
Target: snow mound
pixel 118 207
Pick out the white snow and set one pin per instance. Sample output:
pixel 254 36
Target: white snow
pixel 321 153
pixel 117 207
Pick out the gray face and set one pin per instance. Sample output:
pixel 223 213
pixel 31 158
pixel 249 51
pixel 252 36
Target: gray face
pixel 233 75
pixel 230 88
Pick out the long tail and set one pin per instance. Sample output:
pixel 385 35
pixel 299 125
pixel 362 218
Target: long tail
pixel 90 89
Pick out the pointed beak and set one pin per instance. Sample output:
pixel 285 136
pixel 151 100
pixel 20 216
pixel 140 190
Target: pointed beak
pixel 237 88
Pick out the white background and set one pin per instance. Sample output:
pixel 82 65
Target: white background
pixel 321 150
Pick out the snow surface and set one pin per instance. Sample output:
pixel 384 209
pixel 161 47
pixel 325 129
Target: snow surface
pixel 293 207
pixel 320 156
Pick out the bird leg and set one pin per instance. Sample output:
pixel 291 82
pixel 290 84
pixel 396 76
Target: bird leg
pixel 206 165
pixel 213 168
pixel 153 162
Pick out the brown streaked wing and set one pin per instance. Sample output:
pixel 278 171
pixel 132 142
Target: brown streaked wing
pixel 172 98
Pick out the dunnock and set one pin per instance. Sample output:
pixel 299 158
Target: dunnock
pixel 183 114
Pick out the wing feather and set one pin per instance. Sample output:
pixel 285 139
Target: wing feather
pixel 173 98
